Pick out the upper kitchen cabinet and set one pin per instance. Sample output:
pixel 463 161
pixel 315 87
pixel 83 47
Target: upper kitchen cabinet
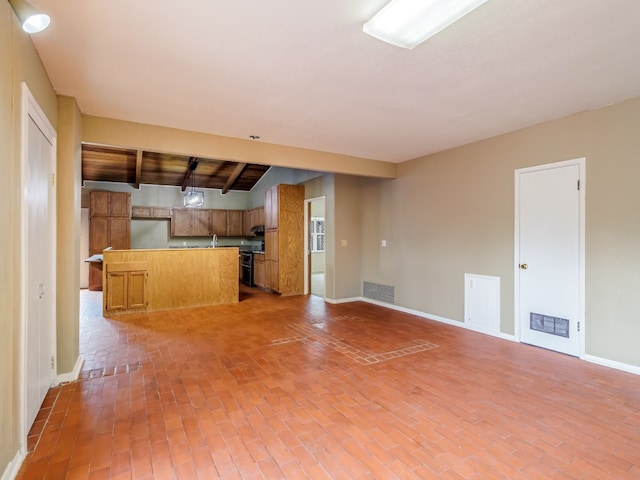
pixel 235 223
pixel 219 222
pixel 271 207
pixel 110 204
pixel 252 218
pixel 191 222
pixel 109 221
pixel 204 222
pixel 138 211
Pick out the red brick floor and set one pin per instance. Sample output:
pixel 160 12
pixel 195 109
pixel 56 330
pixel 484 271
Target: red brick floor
pixel 295 388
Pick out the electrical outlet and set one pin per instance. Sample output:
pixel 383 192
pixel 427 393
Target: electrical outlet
pixel 343 243
pixel 383 243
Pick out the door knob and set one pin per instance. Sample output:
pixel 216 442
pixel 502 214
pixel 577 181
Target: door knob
pixel 524 266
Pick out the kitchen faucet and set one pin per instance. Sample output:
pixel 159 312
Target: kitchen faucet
pixel 214 240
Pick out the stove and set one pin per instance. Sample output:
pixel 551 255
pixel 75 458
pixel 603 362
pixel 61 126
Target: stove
pixel 246 266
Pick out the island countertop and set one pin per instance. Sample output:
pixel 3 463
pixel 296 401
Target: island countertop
pixel 163 279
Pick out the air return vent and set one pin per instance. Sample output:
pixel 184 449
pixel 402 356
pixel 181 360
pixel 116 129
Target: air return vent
pixel 376 291
pixel 548 324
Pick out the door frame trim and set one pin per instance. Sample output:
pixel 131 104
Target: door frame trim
pixel 582 164
pixel 31 109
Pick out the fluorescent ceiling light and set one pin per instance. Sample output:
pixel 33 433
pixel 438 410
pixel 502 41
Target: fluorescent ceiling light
pixel 33 20
pixel 408 23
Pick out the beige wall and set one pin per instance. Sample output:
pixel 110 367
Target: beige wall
pixel 348 229
pixel 18 62
pixel 8 315
pixel 68 237
pixel 453 212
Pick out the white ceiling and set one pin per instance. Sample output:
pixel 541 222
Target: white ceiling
pixel 302 73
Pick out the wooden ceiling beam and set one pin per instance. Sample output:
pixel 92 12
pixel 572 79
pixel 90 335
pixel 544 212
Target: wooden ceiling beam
pixel 136 185
pixel 193 164
pixel 233 177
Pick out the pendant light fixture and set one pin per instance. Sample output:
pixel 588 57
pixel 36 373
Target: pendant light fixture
pixel 193 197
pixel 408 23
pixel 32 19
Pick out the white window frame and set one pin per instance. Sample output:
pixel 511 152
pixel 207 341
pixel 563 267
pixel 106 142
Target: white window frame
pixel 315 235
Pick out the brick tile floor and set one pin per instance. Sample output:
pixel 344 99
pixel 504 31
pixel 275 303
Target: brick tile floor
pixel 296 388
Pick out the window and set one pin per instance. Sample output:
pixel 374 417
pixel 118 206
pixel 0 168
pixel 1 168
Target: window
pixel 317 234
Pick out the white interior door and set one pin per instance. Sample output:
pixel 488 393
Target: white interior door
pixel 548 257
pixel 39 262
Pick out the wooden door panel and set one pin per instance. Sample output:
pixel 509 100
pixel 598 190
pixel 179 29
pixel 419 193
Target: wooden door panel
pixel 181 222
pixel 116 290
pixel 234 223
pixel 120 204
pixel 99 204
pixel 141 212
pixel 201 223
pixel 95 276
pixel 219 222
pixel 247 217
pixel 136 297
pixel 120 233
pixel 98 234
pixel 259 216
pixel 271 245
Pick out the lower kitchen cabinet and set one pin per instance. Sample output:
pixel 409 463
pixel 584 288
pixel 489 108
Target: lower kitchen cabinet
pixel 126 287
pixel 259 270
pixel 272 275
pixel 95 276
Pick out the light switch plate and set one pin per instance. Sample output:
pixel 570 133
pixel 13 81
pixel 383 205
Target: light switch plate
pixel 343 243
pixel 383 243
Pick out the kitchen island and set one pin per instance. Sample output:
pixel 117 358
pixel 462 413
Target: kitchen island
pixel 165 279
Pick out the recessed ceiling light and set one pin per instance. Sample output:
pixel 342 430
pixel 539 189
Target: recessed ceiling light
pixel 408 23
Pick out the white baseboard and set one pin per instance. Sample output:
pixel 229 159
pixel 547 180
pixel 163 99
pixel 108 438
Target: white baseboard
pixel 337 301
pixel 625 367
pixel 71 376
pixel 14 466
pixel 437 318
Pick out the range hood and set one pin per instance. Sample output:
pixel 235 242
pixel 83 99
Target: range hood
pixel 258 229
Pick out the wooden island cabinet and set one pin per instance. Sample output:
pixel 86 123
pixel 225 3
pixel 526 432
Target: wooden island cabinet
pixel 165 279
pixel 126 286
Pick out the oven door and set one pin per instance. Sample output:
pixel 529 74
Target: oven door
pixel 246 265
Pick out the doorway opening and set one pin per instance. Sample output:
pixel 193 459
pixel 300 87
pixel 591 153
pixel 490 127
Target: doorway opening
pixel 315 231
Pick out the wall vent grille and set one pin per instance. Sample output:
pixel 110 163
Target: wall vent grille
pixel 548 324
pixel 376 291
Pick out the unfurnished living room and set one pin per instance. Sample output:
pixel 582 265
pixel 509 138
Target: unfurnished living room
pixel 342 240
